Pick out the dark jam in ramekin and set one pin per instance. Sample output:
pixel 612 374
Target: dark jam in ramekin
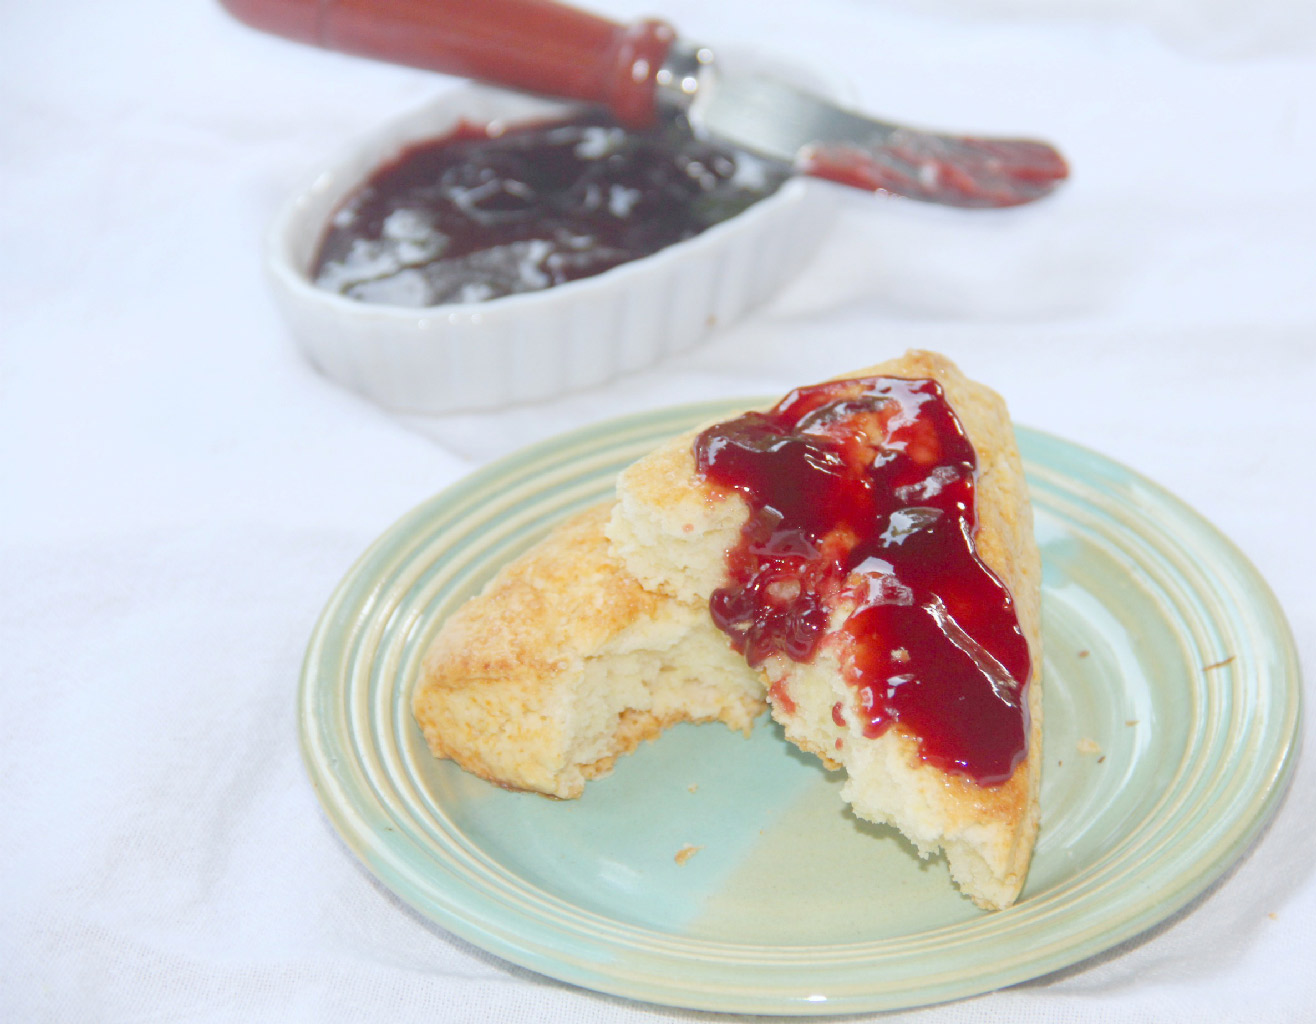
pixel 478 214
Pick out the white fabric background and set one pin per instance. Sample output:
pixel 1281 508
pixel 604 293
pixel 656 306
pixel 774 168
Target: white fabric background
pixel 179 492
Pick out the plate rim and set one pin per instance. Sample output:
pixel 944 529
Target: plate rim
pixel 555 963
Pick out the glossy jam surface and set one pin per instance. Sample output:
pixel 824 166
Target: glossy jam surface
pixel 475 215
pixel 861 497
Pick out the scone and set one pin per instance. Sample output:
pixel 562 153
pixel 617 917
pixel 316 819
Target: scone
pixel 564 662
pixel 861 556
pixel 867 546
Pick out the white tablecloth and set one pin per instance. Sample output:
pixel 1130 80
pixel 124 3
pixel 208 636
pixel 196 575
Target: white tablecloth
pixel 180 492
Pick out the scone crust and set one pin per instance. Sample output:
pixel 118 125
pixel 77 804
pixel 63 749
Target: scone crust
pixel 503 683
pixel 493 678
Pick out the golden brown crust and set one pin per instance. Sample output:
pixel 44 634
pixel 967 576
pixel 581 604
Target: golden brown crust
pixel 563 663
pixel 563 596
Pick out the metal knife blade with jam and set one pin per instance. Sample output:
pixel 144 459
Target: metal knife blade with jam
pixel 862 498
pixel 482 213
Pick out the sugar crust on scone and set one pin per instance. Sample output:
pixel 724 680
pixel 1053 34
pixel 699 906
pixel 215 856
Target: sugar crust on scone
pixel 564 662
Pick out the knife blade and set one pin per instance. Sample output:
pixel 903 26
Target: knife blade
pixel 782 121
pixel 642 71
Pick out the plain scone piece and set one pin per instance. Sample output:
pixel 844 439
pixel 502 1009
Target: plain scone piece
pixel 564 662
pixel 672 530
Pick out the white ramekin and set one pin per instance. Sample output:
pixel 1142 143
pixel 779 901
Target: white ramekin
pixel 533 346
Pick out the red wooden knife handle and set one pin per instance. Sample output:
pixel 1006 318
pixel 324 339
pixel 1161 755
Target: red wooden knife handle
pixel 533 45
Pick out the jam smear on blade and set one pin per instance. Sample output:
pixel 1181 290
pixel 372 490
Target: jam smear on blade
pixel 861 497
pixel 482 213
pixel 987 173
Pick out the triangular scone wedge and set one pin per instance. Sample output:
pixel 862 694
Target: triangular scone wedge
pixel 564 662
pixel 672 529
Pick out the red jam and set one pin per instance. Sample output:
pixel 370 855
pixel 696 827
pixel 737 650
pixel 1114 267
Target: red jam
pixel 477 215
pixel 966 172
pixel 861 497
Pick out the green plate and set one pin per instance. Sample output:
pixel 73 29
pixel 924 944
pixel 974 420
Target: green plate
pixel 1172 709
